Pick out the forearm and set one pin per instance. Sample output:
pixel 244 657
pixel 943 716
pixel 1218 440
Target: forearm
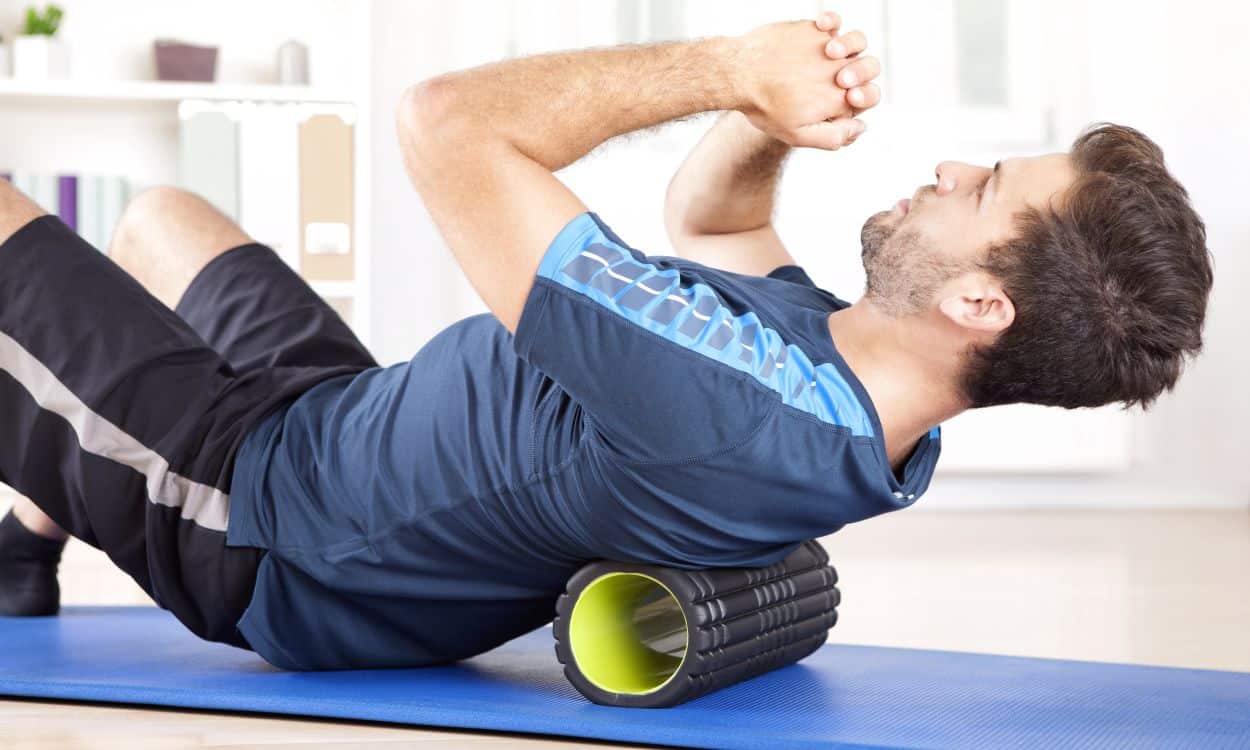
pixel 728 183
pixel 480 145
pixel 556 108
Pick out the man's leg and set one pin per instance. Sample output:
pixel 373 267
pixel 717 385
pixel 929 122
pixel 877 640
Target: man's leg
pixel 119 421
pixel 248 306
pixel 36 521
pixel 192 233
pixel 30 541
pixel 16 210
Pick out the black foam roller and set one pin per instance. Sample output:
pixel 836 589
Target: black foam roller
pixel 647 636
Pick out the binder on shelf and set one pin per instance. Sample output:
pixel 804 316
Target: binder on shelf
pixel 269 183
pixel 89 204
pixel 67 200
pixel 43 191
pixel 90 225
pixel 327 199
pixel 113 195
pixel 208 159
pixel 101 199
pixel 40 188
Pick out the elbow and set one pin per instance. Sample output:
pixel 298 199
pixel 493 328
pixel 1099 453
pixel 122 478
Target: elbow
pixel 423 111
pixel 689 211
pixel 433 125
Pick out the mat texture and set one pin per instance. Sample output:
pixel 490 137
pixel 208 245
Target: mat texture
pixel 841 696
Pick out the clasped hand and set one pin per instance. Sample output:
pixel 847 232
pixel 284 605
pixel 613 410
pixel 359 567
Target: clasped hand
pixel 805 82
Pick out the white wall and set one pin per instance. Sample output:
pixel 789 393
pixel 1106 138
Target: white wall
pixel 417 288
pixel 1180 71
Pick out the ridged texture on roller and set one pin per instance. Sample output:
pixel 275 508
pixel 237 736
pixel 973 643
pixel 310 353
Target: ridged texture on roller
pixel 742 622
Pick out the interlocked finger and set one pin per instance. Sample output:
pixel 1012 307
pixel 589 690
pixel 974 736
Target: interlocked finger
pixel 849 44
pixel 863 97
pixel 858 72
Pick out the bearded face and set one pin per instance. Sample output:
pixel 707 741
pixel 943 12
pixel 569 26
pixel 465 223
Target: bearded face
pixel 904 268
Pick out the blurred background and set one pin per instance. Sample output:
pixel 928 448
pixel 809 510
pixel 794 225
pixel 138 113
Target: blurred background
pixel 1106 534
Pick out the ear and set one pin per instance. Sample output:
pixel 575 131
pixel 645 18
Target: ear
pixel 978 303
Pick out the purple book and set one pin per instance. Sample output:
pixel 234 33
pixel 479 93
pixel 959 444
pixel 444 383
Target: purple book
pixel 67 203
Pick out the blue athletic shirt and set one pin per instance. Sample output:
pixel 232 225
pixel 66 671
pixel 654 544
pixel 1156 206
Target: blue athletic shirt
pixel 648 409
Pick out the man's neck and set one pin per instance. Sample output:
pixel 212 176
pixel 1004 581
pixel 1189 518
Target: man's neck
pixel 906 369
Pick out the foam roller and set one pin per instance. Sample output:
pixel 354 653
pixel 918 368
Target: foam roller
pixel 646 636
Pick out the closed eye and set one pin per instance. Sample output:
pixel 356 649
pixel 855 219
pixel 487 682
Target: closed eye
pixel 985 183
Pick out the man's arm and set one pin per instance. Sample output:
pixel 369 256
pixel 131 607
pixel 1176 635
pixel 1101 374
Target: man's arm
pixel 719 206
pixel 480 146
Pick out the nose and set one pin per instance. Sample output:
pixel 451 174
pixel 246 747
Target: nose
pixel 952 174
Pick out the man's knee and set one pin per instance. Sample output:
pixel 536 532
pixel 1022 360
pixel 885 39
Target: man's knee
pixel 16 210
pixel 152 204
pixel 167 211
pixel 166 235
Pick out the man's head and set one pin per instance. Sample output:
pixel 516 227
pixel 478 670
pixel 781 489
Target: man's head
pixel 1072 279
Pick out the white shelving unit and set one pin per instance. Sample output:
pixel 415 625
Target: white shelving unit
pixel 110 117
pixel 172 92
pixel 134 128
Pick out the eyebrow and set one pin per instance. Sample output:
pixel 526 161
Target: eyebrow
pixel 998 175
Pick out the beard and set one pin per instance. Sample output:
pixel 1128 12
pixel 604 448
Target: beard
pixel 904 269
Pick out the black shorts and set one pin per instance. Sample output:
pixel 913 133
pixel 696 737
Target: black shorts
pixel 120 418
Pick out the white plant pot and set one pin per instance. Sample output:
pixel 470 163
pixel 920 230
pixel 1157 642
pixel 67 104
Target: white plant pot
pixel 39 57
pixel 4 61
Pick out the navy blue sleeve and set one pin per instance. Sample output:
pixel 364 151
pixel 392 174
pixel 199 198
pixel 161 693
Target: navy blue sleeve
pixel 663 368
pixel 805 292
pixel 793 274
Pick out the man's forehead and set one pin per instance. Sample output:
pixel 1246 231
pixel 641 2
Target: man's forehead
pixel 1057 161
pixel 1035 179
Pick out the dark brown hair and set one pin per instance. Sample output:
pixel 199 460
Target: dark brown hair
pixel 1110 288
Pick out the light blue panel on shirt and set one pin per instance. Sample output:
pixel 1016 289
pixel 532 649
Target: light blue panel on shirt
pixel 582 258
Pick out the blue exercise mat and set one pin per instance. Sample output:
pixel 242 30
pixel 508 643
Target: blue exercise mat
pixel 842 696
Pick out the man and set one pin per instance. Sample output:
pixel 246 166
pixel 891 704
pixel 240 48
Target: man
pixel 613 405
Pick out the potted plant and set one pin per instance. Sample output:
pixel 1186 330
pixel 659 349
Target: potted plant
pixel 37 53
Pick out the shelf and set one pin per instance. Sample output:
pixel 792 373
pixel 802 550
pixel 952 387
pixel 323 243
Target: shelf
pixel 165 92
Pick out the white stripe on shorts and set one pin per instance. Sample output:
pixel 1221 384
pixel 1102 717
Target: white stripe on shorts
pixel 201 504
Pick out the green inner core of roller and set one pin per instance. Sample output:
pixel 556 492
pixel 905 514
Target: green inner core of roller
pixel 628 633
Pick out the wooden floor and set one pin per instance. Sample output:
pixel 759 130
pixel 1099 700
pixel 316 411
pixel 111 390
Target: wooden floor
pixel 1149 587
